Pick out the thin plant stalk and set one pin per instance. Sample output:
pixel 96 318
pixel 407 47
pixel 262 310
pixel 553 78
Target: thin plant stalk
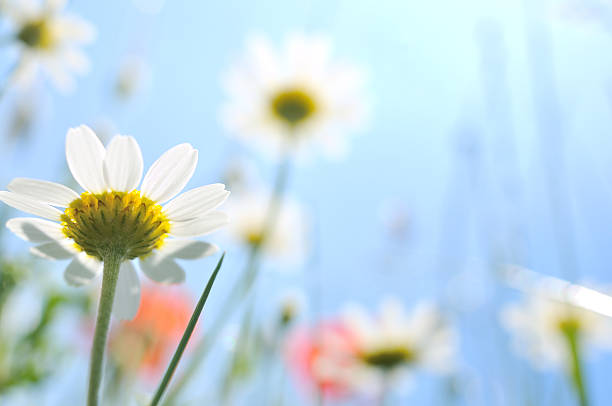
pixel 573 342
pixel 110 274
pixel 186 335
pixel 244 283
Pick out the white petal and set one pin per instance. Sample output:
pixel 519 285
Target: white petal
pixel 162 269
pixel 187 249
pixel 82 269
pixel 170 173
pixel 200 226
pixel 196 202
pixel 54 250
pixel 85 157
pixel 35 229
pixel 30 205
pixel 127 295
pixel 52 193
pixel 123 164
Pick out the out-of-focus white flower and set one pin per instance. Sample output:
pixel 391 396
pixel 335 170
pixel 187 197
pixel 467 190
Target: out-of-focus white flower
pixel 134 74
pixel 112 215
pixel 291 305
pixel 295 97
pixel 48 41
pixel 394 342
pixel 538 326
pixel 286 241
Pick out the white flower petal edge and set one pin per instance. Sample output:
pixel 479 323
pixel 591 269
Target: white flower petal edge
pixel 170 173
pixel 187 249
pixel 82 270
pixel 85 156
pixel 30 205
pixel 127 295
pixel 123 164
pixel 52 193
pixel 162 269
pixel 196 202
pixel 35 230
pixel 199 226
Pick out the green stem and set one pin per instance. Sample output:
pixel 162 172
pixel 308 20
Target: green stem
pixel 186 335
pixel 572 336
pixel 112 262
pixel 241 287
pixel 385 390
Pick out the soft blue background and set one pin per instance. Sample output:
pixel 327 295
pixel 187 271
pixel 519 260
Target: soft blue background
pixel 452 89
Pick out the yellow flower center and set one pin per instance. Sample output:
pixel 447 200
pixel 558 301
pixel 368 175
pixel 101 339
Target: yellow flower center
pixel 570 325
pixel 389 358
pixel 293 106
pixel 37 34
pixel 254 237
pixel 127 223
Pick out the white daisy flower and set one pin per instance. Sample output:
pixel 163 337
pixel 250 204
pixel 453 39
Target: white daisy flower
pixel 133 76
pixel 394 342
pixel 48 41
pixel 285 242
pixel 113 215
pixel 294 97
pixel 540 323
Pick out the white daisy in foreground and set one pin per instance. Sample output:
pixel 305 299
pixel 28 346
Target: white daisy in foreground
pixel 286 241
pixel 296 97
pixel 393 342
pixel 113 220
pixel 48 41
pixel 540 326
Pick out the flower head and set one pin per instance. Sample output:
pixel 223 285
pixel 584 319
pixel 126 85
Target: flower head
pixel 48 40
pixel 295 96
pixel 394 342
pixel 322 357
pixel 540 323
pixel 113 216
pixel 286 241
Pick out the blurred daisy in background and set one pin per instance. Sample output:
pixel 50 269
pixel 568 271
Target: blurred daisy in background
pixel 112 215
pixel 392 343
pixel 539 326
pixel 285 242
pixel 291 305
pixel 48 40
pixel 134 75
pixel 295 97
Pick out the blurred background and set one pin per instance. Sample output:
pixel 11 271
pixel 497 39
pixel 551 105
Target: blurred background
pixel 482 141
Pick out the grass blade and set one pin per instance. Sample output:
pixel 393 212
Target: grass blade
pixel 186 335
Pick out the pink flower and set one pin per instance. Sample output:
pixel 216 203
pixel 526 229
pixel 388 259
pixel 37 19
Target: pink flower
pixel 322 356
pixel 146 343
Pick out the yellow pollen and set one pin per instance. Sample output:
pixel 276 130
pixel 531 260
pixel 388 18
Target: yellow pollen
pixel 37 34
pixel 124 222
pixel 293 106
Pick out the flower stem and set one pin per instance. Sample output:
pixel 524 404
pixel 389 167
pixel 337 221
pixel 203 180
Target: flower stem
pixel 572 336
pixel 110 275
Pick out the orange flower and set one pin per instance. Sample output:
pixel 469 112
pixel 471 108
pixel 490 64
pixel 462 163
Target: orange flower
pixel 145 344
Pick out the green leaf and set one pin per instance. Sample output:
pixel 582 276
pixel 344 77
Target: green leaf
pixel 186 335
